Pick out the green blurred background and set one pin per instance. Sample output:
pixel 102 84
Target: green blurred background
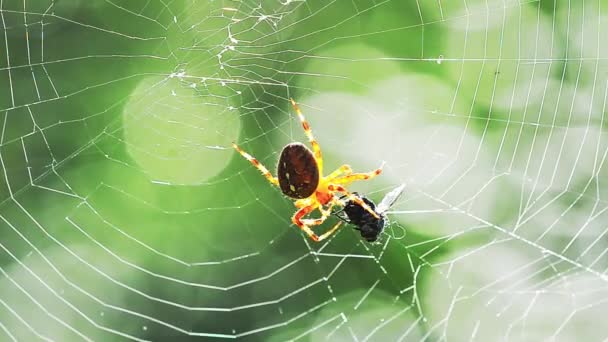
pixel 126 215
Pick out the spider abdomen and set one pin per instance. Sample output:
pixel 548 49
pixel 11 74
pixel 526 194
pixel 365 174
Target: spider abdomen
pixel 297 171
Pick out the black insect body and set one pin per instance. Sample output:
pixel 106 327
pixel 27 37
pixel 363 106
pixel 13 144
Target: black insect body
pixel 369 226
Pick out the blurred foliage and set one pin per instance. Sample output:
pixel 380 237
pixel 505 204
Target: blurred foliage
pixel 119 178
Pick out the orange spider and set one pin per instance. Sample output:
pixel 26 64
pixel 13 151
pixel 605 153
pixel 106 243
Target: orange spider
pixel 299 178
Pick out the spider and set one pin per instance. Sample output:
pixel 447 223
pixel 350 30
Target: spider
pixel 299 176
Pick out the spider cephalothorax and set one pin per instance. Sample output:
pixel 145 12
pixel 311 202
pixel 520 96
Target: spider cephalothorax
pixel 300 177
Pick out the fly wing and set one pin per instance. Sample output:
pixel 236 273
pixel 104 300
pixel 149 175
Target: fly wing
pixel 390 199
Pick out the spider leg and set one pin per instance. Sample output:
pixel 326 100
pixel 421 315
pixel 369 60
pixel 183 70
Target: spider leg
pixel 316 149
pixel 297 220
pixel 257 164
pixel 352 197
pixel 349 178
pixel 329 232
pixel 325 213
pixel 344 169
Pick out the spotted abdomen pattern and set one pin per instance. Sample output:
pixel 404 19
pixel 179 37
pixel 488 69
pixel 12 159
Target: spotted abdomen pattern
pixel 297 171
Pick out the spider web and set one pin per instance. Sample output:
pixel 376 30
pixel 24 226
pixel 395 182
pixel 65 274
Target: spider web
pixel 126 214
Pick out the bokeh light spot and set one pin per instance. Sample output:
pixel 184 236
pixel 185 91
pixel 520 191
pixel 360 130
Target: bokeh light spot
pixel 175 135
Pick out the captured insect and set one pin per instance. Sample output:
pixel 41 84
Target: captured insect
pixel 370 226
pixel 299 176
